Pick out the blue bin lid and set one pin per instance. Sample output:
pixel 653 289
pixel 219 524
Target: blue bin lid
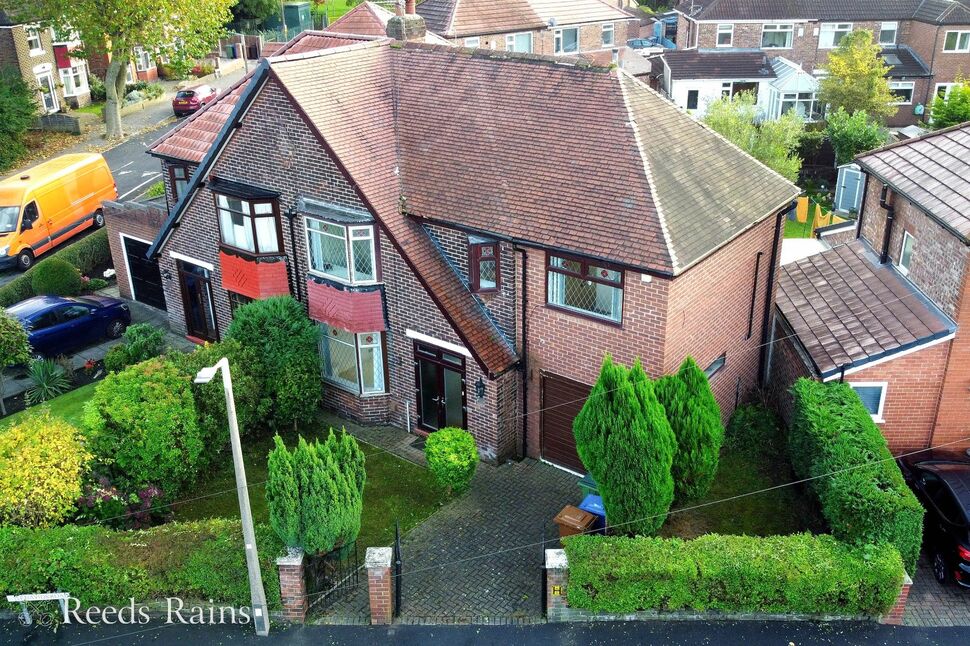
pixel 588 481
pixel 593 504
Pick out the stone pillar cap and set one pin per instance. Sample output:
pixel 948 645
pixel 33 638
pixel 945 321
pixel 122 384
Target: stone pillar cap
pixel 378 557
pixel 556 560
pixel 294 556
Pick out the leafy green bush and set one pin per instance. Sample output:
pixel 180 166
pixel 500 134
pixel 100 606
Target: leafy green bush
pixel 48 380
pixel 315 493
pixel 832 435
pixel 96 85
pixel 93 284
pixel 199 560
pixel 116 358
pixel 86 254
pixel 800 573
pixel 56 277
pixel 753 430
pixel 42 462
pixel 19 108
pixel 142 427
pixel 14 347
pixel 284 342
pixel 143 341
pixel 452 458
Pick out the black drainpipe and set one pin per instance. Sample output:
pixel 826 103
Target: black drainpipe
pixel 890 218
pixel 525 353
pixel 291 216
pixel 862 207
pixel 766 319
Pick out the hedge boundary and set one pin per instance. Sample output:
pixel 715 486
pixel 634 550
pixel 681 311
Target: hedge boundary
pixel 102 567
pixel 800 574
pixel 832 433
pixel 85 254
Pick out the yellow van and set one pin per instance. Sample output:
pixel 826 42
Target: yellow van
pixel 45 205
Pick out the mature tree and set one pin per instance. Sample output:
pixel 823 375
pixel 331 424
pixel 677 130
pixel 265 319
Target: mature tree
pixel 176 28
pixel 952 109
pixel 14 347
pixel 19 109
pixel 772 142
pixel 696 421
pixel 855 77
pixel 852 134
pixel 255 11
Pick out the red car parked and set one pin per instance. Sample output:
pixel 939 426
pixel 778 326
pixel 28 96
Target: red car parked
pixel 193 98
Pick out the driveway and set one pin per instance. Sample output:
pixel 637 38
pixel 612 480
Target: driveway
pixel 932 604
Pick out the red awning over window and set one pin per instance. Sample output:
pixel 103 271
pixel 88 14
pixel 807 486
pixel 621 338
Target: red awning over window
pixel 351 311
pixel 62 57
pixel 253 279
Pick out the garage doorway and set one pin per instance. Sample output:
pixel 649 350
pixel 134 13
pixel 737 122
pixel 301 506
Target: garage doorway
pixel 144 276
pixel 562 399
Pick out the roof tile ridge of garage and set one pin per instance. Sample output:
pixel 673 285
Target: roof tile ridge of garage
pixel 198 113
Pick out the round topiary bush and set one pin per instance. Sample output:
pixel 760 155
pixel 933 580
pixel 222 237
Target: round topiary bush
pixel 452 457
pixel 55 277
pixel 42 463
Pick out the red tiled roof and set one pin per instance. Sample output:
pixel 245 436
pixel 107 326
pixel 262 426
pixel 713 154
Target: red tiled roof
pixel 366 19
pixel 457 18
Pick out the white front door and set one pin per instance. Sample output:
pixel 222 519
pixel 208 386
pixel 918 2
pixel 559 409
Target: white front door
pixel 47 93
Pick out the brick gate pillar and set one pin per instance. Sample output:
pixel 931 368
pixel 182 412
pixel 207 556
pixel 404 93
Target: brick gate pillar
pixel 557 579
pixel 293 586
pixel 380 584
pixel 895 616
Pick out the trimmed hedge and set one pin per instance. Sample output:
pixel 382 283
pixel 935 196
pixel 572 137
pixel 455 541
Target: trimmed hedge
pixel 55 277
pixel 832 433
pixel 452 458
pixel 199 560
pixel 86 254
pixel 800 573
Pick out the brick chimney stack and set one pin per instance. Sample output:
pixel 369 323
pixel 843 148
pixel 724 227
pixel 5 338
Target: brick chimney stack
pixel 410 26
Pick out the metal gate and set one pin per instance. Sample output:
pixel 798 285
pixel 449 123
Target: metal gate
pixel 332 577
pixel 397 569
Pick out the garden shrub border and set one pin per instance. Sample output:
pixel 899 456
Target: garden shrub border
pixel 85 254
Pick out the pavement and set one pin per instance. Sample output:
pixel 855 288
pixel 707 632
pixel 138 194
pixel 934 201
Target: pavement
pixel 673 633
pixel 932 604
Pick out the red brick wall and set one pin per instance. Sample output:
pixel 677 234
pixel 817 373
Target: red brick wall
pixel 927 41
pixel 904 114
pixel 787 366
pixel 952 420
pixel 135 221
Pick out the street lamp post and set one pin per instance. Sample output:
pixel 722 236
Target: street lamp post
pixel 258 596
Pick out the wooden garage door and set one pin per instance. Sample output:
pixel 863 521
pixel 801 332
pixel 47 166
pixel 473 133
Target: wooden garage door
pixel 562 399
pixel 146 279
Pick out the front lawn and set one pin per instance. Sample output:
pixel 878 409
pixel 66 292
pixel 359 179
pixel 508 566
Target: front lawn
pixel 795 229
pixel 69 406
pixel 786 510
pixel 94 108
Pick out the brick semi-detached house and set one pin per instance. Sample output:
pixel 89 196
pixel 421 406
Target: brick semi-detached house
pixel 926 43
pixel 473 230
pixel 889 313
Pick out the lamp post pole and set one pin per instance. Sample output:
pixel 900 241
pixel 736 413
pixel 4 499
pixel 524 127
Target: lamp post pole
pixel 257 595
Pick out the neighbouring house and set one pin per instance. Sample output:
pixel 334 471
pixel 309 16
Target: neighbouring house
pixel 926 43
pixel 44 59
pixel 694 78
pixel 889 312
pixel 557 27
pixel 143 65
pixel 472 230
pixel 370 19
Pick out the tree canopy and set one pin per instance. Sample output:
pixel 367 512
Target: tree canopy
pixel 852 134
pixel 954 108
pixel 19 109
pixel 855 77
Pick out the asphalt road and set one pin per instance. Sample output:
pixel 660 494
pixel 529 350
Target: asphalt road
pixel 674 633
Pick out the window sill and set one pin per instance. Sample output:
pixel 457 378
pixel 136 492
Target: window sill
pixel 37 52
pixel 877 419
pixel 585 315
pixel 341 281
pixel 353 391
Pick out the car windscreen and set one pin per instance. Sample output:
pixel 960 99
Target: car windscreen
pixel 185 94
pixel 8 218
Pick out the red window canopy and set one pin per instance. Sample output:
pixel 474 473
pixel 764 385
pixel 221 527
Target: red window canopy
pixel 62 57
pixel 254 279
pixel 354 311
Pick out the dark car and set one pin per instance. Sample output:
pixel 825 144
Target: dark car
pixel 942 483
pixel 58 325
pixel 193 98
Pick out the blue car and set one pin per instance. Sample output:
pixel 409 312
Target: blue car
pixel 58 325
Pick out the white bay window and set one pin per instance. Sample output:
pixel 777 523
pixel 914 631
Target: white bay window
pixel 353 361
pixel 344 253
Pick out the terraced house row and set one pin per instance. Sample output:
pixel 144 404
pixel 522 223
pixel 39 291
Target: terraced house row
pixel 473 230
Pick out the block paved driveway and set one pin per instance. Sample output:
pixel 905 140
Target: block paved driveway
pixel 464 564
pixel 931 604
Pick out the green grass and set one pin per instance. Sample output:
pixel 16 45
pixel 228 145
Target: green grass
pixel 333 9
pixel 94 108
pixel 69 406
pixel 155 190
pixel 780 511
pixel 396 489
pixel 795 229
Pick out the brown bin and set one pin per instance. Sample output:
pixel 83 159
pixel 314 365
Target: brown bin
pixel 573 520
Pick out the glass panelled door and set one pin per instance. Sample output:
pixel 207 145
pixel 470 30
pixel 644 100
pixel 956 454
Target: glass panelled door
pixel 200 319
pixel 440 385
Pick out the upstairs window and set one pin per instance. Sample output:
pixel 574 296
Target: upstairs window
pixel 345 253
pixel 906 252
pixel 725 35
pixel 607 34
pixel 248 226
pixel 831 33
pixel 566 41
pixel 956 41
pixel 585 288
pixel 34 43
pixel 777 36
pixel 887 33
pixel 521 42
pixel 483 267
pixel 873 396
pixel 180 179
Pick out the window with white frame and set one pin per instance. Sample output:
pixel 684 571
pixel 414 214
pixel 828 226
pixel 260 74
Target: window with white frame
pixel 831 33
pixel 345 253
pixel 352 361
pixel 473 41
pixel 777 36
pixel 956 41
pixel 887 33
pixel 143 61
pixel 803 103
pixel 902 92
pixel 248 225
pixel 607 34
pixel 34 43
pixel 725 35
pixel 75 79
pixel 521 42
pixel 584 287
pixel 943 90
pixel 906 252
pixel 566 41
pixel 873 396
